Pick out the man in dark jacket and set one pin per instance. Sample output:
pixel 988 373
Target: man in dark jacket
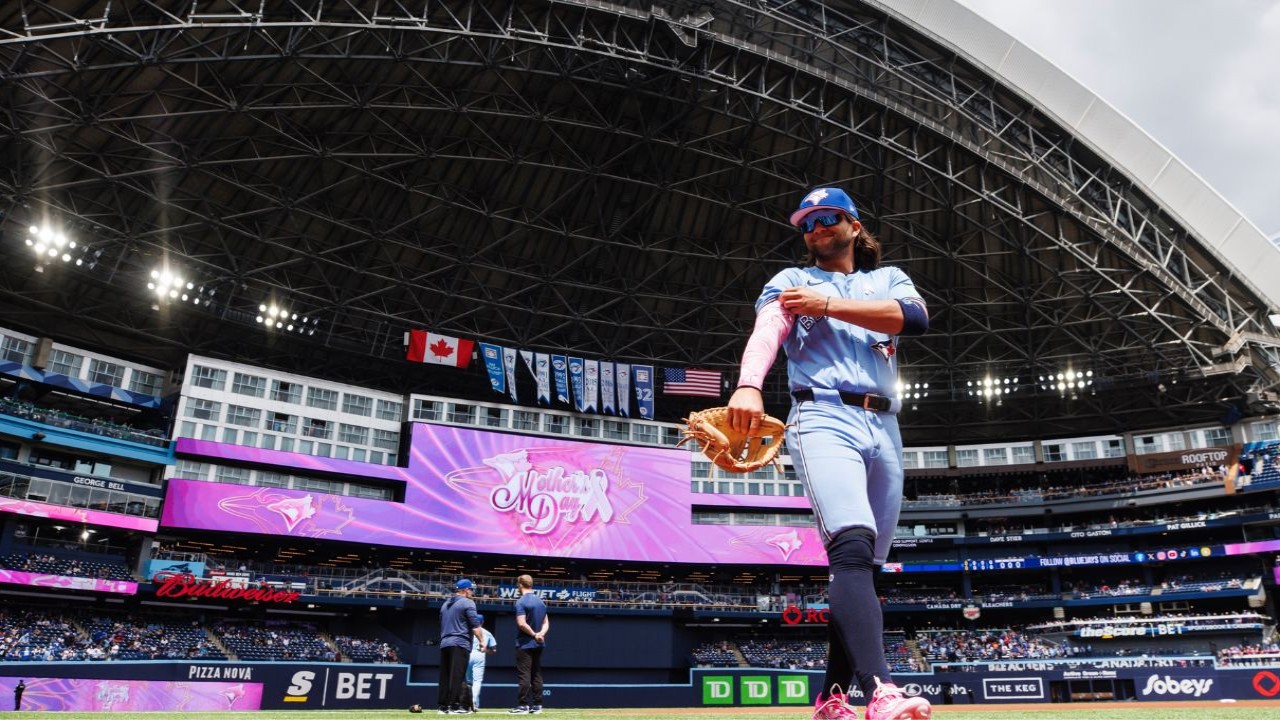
pixel 458 624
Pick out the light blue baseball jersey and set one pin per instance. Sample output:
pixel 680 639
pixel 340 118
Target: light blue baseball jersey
pixel 836 355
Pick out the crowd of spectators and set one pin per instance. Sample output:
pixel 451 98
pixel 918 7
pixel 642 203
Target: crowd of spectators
pixel 898 653
pixel 1014 593
pixel 124 639
pixel 1130 518
pixel 96 426
pixel 1250 654
pixel 366 651
pixel 715 654
pixel 274 641
pixel 785 654
pixel 952 492
pixel 1259 467
pixel 373 582
pixel 1247 620
pixel 987 645
pixel 1119 588
pixel 951 645
pixel 917 595
pixel 50 565
pixel 36 634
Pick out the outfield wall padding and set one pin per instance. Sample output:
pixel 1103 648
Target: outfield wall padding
pixel 249 686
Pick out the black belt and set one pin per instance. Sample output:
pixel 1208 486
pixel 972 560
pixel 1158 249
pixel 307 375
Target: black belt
pixel 867 401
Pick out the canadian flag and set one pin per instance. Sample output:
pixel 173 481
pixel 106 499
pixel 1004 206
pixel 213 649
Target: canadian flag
pixel 428 347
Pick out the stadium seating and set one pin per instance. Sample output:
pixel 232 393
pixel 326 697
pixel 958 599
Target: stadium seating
pixel 96 426
pixel 45 564
pixel 123 638
pixel 366 651
pixel 788 654
pixel 989 644
pixel 715 654
pixel 274 641
pixel 40 635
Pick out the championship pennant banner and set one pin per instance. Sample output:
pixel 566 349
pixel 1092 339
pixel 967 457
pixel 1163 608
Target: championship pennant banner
pixel 589 386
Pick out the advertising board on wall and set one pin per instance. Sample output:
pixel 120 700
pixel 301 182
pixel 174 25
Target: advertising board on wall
pixel 1180 460
pixel 166 686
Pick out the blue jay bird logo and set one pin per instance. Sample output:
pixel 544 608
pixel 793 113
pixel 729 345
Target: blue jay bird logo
pixel 886 349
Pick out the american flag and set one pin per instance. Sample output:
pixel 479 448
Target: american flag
pixel 679 381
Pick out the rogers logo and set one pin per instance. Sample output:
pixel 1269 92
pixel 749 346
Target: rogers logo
pixel 793 615
pixel 1267 683
pixel 1195 687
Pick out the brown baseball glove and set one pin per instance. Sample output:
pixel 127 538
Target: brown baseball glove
pixel 730 449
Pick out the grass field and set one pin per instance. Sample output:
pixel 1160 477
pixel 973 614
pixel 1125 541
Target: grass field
pixel 1250 710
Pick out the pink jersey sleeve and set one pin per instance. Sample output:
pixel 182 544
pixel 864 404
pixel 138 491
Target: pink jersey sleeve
pixel 772 325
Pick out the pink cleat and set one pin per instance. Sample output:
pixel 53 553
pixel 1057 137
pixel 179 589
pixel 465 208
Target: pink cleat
pixel 835 707
pixel 889 703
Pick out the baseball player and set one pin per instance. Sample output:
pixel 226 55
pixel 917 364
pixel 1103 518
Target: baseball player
pixel 481 648
pixel 838 319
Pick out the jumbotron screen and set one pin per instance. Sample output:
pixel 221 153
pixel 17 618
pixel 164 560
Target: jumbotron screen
pixel 472 490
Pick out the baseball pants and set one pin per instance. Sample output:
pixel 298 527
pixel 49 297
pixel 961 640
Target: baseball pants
pixel 850 461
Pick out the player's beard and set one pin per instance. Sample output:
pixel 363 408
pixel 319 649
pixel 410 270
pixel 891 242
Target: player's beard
pixel 837 248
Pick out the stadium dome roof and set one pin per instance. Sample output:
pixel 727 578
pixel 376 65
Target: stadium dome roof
pixel 611 179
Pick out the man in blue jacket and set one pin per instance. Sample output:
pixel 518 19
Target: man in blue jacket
pixel 459 623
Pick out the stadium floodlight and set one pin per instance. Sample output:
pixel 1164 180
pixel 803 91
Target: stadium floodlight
pixel 1067 380
pixel 912 391
pixel 995 386
pixel 280 317
pixel 49 244
pixel 170 285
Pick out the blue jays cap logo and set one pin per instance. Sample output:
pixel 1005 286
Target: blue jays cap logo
pixel 815 197
pixel 824 198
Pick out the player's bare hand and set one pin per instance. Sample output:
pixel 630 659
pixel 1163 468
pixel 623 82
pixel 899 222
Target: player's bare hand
pixel 746 407
pixel 804 301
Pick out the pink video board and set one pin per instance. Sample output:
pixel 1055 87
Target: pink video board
pixel 80 516
pixel 494 492
pixel 95 695
pixel 15 577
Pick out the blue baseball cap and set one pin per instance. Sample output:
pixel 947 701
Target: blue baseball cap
pixel 463 584
pixel 479 618
pixel 824 198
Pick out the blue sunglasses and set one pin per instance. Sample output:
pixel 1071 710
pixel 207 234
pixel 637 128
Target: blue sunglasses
pixel 831 220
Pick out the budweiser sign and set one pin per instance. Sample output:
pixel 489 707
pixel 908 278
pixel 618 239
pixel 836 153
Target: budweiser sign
pixel 185 585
